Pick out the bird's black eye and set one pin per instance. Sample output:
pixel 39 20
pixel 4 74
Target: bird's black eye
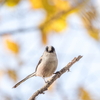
pixel 47 48
pixel 52 49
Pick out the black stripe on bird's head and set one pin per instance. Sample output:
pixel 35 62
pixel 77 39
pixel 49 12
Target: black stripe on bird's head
pixel 50 49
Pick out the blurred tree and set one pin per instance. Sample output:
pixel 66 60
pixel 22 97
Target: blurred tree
pixel 57 12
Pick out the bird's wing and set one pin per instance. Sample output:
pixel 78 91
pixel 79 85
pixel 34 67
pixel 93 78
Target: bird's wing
pixel 38 63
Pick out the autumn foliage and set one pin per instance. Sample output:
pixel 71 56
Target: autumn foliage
pixel 57 12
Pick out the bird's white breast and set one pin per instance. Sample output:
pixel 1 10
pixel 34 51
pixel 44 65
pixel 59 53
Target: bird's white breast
pixel 48 65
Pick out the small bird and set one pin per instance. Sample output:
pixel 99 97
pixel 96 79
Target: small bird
pixel 46 65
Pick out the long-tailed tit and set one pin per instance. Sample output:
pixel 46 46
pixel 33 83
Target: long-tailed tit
pixel 46 65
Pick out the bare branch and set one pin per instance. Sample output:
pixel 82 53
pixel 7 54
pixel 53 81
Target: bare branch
pixel 56 76
pixel 18 31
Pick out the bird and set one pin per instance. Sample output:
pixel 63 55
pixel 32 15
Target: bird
pixel 46 66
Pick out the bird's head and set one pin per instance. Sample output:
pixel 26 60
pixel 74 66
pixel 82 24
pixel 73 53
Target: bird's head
pixel 50 49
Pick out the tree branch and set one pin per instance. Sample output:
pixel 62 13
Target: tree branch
pixel 19 30
pixel 56 76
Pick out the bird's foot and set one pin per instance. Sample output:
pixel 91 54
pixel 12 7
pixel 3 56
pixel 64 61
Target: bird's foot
pixel 56 72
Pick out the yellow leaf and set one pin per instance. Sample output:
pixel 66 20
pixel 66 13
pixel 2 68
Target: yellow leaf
pixel 94 33
pixel 12 74
pixel 45 4
pixel 12 3
pixel 11 45
pixel 58 25
pixel 62 5
pixel 44 38
pixel 54 25
pixel 36 4
pixel 84 95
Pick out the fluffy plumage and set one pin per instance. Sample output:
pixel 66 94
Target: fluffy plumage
pixel 46 65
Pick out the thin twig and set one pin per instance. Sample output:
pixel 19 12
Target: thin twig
pixel 56 76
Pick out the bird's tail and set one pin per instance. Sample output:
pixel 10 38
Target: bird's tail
pixel 29 76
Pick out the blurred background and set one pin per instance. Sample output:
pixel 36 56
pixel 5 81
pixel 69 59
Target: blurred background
pixel 71 26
